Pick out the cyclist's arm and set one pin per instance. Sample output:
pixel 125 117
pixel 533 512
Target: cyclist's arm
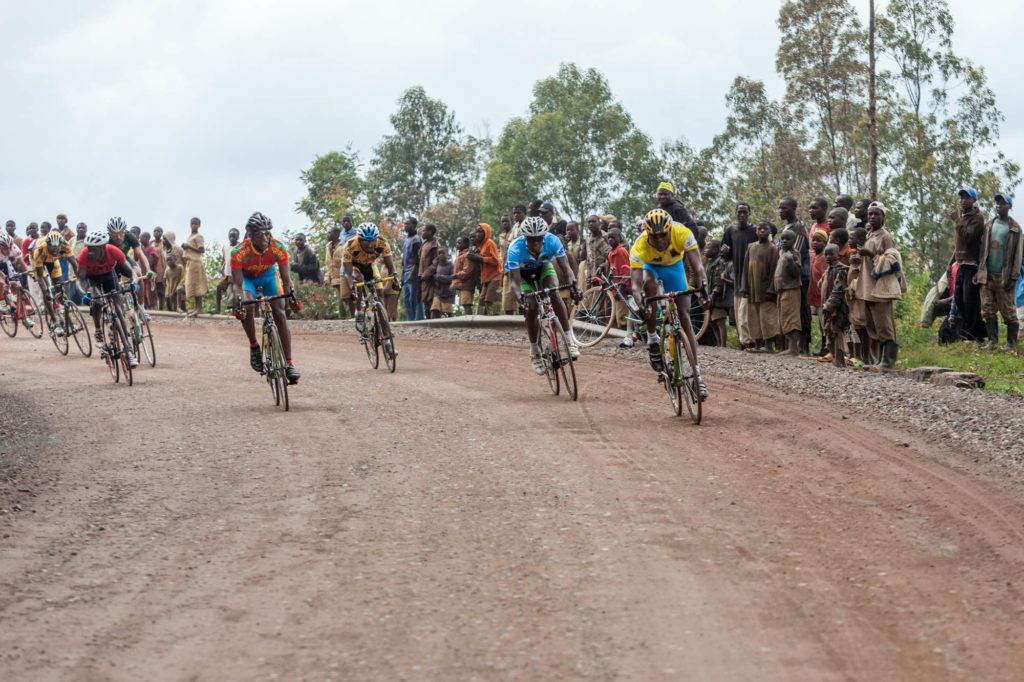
pixel 346 272
pixel 286 280
pixel 236 283
pixel 563 265
pixel 693 258
pixel 516 279
pixel 140 257
pixel 636 281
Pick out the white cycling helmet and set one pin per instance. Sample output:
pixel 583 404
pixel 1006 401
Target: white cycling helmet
pixel 534 227
pixel 97 238
pixel 116 224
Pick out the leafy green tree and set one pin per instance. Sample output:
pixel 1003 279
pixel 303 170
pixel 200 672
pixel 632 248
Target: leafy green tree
pixel 821 58
pixel 458 215
pixel 423 160
pixel 693 174
pixel 331 176
pixel 578 147
pixel 940 125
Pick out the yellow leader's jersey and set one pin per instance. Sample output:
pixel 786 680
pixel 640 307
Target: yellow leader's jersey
pixel 680 241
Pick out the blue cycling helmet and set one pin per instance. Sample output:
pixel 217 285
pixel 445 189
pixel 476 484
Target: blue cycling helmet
pixel 367 231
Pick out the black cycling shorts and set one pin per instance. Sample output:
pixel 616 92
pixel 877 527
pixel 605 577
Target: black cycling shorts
pixel 106 283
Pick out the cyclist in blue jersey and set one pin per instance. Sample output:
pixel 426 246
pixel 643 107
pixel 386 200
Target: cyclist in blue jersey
pixel 531 266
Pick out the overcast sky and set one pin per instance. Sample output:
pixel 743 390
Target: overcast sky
pixel 161 110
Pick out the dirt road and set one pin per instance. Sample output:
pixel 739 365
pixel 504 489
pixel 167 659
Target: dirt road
pixel 455 521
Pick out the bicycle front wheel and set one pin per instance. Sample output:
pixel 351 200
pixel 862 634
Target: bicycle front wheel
pixel 31 314
pixel 80 331
pixel 372 340
pixel 671 377
pixel 112 349
pixel 125 341
pixel 687 376
pixel 274 365
pixel 9 321
pixel 546 341
pixel 145 338
pixel 387 340
pixel 566 367
pixel 592 317
pixel 59 338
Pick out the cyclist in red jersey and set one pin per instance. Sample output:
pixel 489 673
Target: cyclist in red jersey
pixel 261 262
pixel 99 264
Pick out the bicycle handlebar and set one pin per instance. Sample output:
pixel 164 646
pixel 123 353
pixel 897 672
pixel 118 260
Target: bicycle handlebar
pixel 374 282
pixel 268 299
pixel 549 290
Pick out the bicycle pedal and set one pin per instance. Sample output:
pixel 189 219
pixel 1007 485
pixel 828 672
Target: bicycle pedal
pixel 661 378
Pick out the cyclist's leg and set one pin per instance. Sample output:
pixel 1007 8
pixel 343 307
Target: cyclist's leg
pixel 650 289
pixel 557 304
pixel 530 282
pixel 249 321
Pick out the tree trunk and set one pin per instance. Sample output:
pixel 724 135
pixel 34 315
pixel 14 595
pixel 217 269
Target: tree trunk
pixel 872 123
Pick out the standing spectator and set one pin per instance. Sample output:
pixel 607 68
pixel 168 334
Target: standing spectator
pixel 818 266
pixel 716 267
pixel 63 229
pixel 857 290
pixel 332 262
pixel 737 238
pixel 675 208
pixel 518 216
pixel 465 275
pixel 135 230
pixel 757 286
pixel 428 264
pixel 305 263
pixel 174 278
pixel 998 272
pixel 226 279
pixel 573 244
pixel 78 243
pixel 196 285
pixel 618 263
pixel 11 227
pixel 411 271
pixel 149 298
pixel 860 214
pixel 818 210
pixel 787 289
pixel 488 262
pixel 159 267
pixel 834 307
pixel 508 301
pixel 787 214
pixel 845 201
pixel 444 299
pixel 347 229
pixel 594 252
pixel 547 212
pixel 882 265
pixel 970 232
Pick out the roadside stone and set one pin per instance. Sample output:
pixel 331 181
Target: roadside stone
pixel 958 379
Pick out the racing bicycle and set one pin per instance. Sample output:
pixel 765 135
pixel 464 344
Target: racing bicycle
pixel 592 318
pixel 274 363
pixel 138 323
pixel 376 335
pixel 114 349
pixel 24 309
pixel 554 347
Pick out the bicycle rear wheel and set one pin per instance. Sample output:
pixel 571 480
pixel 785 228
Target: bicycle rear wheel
pixel 564 358
pixel 671 377
pixel 28 309
pixel 700 317
pixel 592 317
pixel 60 340
pixel 387 340
pixel 9 321
pixel 144 338
pixel 688 380
pixel 545 340
pixel 80 331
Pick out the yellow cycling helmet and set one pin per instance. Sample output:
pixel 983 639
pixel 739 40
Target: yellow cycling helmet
pixel 657 221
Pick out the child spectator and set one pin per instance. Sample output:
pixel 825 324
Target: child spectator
pixel 444 298
pixel 835 308
pixel 787 287
pixel 716 268
pixel 819 239
pixel 618 262
pixel 857 291
pixel 464 280
pixel 758 288
pixel 174 280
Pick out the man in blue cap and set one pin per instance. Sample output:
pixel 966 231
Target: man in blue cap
pixel 970 233
pixel 998 271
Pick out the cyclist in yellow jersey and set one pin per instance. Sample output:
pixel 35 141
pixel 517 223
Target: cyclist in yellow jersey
pixel 47 255
pixel 658 255
pixel 359 264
